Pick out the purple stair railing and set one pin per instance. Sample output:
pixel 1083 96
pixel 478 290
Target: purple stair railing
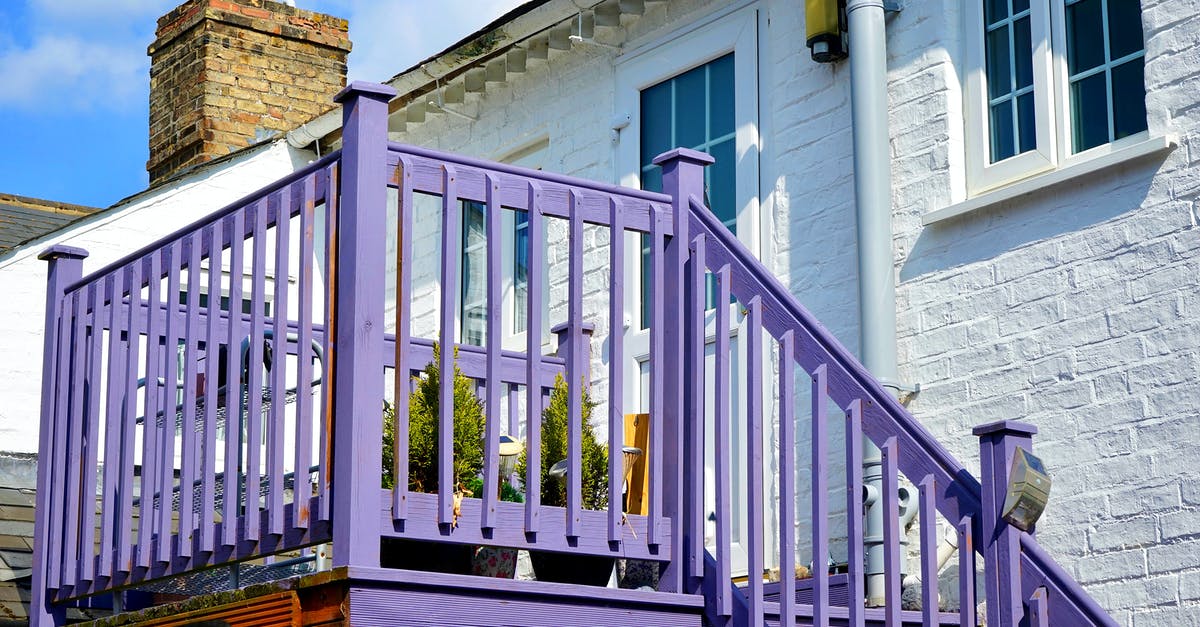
pixel 155 364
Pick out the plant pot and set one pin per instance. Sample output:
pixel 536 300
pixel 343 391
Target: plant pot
pixel 634 574
pixel 433 557
pixel 584 570
pixel 494 561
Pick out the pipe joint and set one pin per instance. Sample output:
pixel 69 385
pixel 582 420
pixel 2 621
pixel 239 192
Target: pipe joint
pixel 854 5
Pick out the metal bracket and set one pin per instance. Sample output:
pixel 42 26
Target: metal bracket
pixel 892 6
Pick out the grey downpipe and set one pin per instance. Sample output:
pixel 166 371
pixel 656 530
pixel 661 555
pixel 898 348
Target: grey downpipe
pixel 877 286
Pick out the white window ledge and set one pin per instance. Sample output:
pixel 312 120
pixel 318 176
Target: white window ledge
pixel 1152 146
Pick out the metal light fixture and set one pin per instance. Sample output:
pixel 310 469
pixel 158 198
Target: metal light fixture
pixel 510 450
pixel 1028 490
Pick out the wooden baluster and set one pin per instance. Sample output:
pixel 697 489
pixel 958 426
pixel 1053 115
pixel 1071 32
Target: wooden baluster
pixel 62 429
pixel 820 496
pixel 329 249
pixel 966 572
pixel 302 481
pixel 91 436
pixel 722 434
pixel 254 368
pixel 129 412
pixel 658 373
pixel 1039 614
pixel 495 309
pixel 74 501
pixel 891 532
pixel 754 458
pixel 533 361
pixel 694 411
pixel 152 397
pixel 854 514
pixel 404 218
pixel 279 343
pixel 170 409
pixel 927 504
pixel 233 485
pixel 450 245
pixel 616 363
pixel 787 483
pixel 576 354
pixel 212 344
pixel 187 452
pixel 113 427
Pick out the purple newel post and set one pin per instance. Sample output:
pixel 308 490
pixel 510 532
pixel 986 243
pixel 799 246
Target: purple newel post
pixel 683 177
pixel 65 267
pixel 998 442
pixel 358 322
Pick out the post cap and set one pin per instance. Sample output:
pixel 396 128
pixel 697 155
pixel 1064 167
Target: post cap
pixel 685 154
pixel 1005 426
pixel 365 88
pixel 587 328
pixel 58 251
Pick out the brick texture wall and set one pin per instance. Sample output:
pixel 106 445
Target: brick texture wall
pixel 225 72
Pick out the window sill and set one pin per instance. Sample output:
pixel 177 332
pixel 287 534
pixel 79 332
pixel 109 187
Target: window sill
pixel 1152 146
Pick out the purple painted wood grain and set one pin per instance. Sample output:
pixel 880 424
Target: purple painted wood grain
pixel 966 571
pixel 166 441
pixel 787 479
pixel 616 366
pixel 576 354
pixel 446 332
pixel 232 484
pixel 820 494
pixel 129 412
pixel 1039 615
pixel 404 261
pixel 91 435
pixel 212 362
pixel 187 452
pixel 252 488
pixel 1000 542
pixel 329 249
pixel 66 351
pixel 64 265
pixel 302 484
pixel 279 370
pixel 658 369
pixel 495 309
pixel 927 503
pixel 533 360
pixel 114 384
pixel 694 410
pixel 754 460
pixel 891 532
pixel 150 430
pixel 722 432
pixel 77 413
pixel 854 514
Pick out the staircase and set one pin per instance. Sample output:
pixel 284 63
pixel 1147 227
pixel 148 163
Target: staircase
pixel 758 416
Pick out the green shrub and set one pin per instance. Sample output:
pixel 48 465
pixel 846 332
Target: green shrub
pixel 554 448
pixel 423 451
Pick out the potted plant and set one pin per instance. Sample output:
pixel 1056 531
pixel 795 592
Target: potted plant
pixel 423 415
pixel 561 567
pixel 495 561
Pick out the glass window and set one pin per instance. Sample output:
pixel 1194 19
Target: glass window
pixel 1105 56
pixel 520 271
pixel 690 110
pixel 473 321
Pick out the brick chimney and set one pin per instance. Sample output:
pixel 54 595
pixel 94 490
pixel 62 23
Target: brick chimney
pixel 224 73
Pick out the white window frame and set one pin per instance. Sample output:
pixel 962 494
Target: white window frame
pixel 1051 103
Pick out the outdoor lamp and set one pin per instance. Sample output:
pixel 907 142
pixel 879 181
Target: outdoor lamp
pixel 510 450
pixel 1028 490
pixel 824 30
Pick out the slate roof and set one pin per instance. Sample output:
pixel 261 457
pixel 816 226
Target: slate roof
pixel 23 219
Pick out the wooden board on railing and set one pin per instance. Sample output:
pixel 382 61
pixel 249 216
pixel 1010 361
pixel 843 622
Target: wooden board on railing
pixel 275 609
pixel 637 433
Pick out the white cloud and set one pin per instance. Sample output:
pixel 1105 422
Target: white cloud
pixel 68 72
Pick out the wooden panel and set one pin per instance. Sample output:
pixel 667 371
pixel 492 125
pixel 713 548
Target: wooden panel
pixel 273 610
pixel 637 433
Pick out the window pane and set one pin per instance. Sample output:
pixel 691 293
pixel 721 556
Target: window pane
pixel 652 179
pixel 1023 53
pixel 720 107
pixel 1089 112
pixel 1085 36
pixel 1124 28
pixel 1129 99
pixel 1002 131
pixel 520 270
pixel 1026 124
pixel 995 10
pixel 656 121
pixel 721 175
pixel 1019 6
pixel 474 273
pixel 690 105
pixel 999 74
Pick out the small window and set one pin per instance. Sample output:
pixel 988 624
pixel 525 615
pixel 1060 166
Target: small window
pixel 1048 80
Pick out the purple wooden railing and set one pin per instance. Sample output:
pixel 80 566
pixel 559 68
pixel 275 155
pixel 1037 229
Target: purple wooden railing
pixel 118 341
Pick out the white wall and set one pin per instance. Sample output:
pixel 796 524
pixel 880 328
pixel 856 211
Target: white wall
pixel 107 237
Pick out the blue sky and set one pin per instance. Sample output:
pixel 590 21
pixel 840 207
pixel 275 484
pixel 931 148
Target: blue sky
pixel 74 77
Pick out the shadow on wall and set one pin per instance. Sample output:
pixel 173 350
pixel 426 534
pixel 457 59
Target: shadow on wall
pixel 1048 213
